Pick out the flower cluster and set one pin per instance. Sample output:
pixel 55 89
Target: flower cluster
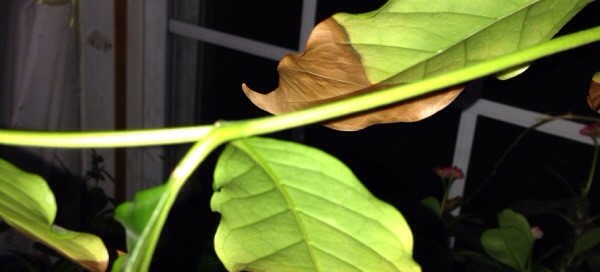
pixel 449 172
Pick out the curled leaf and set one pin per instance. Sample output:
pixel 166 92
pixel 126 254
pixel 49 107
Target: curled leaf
pixel 331 69
pixel 406 41
pixel 28 205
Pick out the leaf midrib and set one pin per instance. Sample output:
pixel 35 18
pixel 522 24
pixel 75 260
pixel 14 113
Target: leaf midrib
pixel 494 21
pixel 288 199
pixel 511 249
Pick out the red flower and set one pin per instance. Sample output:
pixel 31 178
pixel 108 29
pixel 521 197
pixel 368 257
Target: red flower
pixel 592 130
pixel 451 172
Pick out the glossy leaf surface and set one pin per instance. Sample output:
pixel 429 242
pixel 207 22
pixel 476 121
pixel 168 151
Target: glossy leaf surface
pixel 405 41
pixel 288 207
pixel 28 205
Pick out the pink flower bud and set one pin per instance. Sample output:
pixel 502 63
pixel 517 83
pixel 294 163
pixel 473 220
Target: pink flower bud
pixel 451 172
pixel 537 232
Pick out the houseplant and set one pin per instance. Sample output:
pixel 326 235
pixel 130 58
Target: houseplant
pixel 444 65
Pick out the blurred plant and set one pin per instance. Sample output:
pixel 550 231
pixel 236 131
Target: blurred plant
pixel 509 247
pixel 447 174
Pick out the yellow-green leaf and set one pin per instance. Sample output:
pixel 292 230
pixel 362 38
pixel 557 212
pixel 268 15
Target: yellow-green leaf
pixel 289 207
pixel 28 205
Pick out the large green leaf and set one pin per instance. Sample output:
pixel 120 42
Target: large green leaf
pixel 288 207
pixel 28 205
pixel 512 242
pixel 405 41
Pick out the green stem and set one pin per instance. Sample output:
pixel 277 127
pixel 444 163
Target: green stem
pixel 104 139
pixel 141 255
pixel 503 157
pixel 588 184
pixel 312 115
pixel 403 92
pixel 447 187
pixel 209 137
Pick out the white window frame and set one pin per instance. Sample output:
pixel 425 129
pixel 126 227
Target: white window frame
pixel 565 129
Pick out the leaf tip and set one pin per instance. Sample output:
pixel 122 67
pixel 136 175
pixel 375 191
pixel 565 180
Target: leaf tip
pixel 256 98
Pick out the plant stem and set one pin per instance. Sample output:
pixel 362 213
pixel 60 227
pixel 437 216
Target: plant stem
pixel 447 186
pixel 403 92
pixel 209 137
pixel 503 157
pixel 311 115
pixel 518 140
pixel 104 139
pixel 142 253
pixel 588 184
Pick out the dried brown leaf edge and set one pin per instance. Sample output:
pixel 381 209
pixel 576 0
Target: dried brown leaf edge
pixel 593 98
pixel 330 69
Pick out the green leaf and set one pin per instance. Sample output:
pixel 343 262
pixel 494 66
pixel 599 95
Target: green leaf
pixel 512 242
pixel 406 41
pixel 588 240
pixel 433 204
pixel 134 216
pixel 288 207
pixel 28 205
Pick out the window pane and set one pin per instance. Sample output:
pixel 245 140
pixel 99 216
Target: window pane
pixel 541 166
pixel 271 21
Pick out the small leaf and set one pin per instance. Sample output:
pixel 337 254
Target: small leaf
pixel 406 41
pixel 432 204
pixel 593 98
pixel 28 205
pixel 134 216
pixel 288 207
pixel 512 242
pixel 588 240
